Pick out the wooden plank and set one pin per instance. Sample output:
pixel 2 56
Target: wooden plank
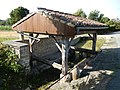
pixel 52 63
pixel 56 65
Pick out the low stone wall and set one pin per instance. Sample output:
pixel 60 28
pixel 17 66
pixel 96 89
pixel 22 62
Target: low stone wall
pixel 22 50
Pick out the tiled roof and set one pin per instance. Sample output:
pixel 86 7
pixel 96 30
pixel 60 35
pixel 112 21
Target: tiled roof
pixel 70 19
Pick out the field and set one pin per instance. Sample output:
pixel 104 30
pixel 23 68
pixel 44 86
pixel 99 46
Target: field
pixel 8 35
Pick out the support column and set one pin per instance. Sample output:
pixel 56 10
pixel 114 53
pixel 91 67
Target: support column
pixel 30 48
pixel 21 37
pixel 94 41
pixel 65 49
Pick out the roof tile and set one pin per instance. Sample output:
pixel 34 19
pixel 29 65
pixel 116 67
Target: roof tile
pixel 73 19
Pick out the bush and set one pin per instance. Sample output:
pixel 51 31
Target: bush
pixel 8 65
pixel 5 28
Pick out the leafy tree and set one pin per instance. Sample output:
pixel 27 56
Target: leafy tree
pixel 95 15
pixel 80 13
pixel 104 19
pixel 100 17
pixel 116 22
pixel 18 14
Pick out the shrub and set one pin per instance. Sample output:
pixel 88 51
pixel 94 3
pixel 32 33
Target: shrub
pixel 5 28
pixel 8 65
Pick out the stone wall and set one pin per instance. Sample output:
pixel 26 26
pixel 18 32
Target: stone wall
pixel 44 48
pixel 22 50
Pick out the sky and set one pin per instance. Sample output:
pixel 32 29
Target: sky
pixel 110 8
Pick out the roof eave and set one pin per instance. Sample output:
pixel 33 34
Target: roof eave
pixel 91 27
pixel 23 19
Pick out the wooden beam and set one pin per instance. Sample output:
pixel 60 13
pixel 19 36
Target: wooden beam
pixel 30 42
pixel 21 37
pixel 85 31
pixel 57 44
pixel 90 36
pixel 65 49
pixel 94 41
pixel 56 65
pixel 22 33
pixel 34 39
pixel 52 63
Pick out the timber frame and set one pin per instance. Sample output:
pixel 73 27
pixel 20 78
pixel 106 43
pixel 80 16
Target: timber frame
pixel 54 24
pixel 63 47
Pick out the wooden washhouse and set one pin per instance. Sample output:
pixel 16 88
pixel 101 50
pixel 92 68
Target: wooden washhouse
pixel 55 23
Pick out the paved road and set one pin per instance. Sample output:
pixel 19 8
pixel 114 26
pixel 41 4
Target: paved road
pixel 111 59
pixel 114 83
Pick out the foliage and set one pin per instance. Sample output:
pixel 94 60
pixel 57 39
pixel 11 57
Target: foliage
pixel 95 15
pixel 8 65
pixel 17 14
pixel 2 22
pixel 80 13
pixel 104 19
pixel 5 28
pixel 116 23
pixel 8 21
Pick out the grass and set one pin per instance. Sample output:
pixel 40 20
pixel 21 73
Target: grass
pixel 5 28
pixel 88 44
pixel 6 39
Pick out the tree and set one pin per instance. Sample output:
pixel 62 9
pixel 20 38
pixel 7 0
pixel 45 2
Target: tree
pixel 8 21
pixel 2 22
pixel 17 14
pixel 116 22
pixel 100 17
pixel 104 19
pixel 80 13
pixel 94 15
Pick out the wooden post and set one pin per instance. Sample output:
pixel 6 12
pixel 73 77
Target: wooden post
pixel 30 48
pixel 94 41
pixel 65 49
pixel 30 42
pixel 21 37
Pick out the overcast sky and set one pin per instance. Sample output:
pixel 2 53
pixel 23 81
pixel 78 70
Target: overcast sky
pixel 110 8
